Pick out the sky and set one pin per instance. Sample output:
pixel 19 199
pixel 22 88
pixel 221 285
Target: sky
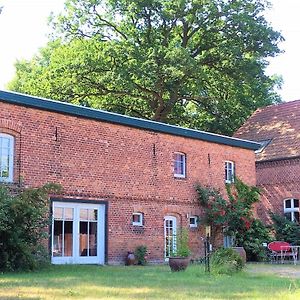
pixel 24 28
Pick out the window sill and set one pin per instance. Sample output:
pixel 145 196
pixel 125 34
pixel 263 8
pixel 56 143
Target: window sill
pixel 137 224
pixel 179 176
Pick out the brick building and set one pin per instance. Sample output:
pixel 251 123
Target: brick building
pixel 127 181
pixel 277 128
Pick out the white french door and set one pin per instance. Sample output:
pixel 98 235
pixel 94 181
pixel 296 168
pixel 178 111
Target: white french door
pixel 78 233
pixel 170 235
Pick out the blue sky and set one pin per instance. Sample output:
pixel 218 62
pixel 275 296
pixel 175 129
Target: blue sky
pixel 23 30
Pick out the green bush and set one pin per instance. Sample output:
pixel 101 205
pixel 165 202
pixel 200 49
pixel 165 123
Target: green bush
pixel 226 261
pixel 22 228
pixel 285 230
pixel 252 241
pixel 140 255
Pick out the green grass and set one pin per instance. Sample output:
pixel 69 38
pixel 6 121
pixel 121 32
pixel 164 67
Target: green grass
pixel 151 282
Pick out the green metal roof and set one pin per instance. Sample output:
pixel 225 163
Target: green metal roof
pixel 104 116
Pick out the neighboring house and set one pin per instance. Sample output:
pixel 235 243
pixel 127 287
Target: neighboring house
pixel 277 128
pixel 127 181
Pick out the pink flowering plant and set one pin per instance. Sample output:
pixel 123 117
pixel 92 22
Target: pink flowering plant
pixel 234 214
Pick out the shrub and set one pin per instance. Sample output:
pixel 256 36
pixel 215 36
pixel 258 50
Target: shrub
pixel 253 239
pixel 226 261
pixel 285 230
pixel 235 215
pixel 140 255
pixel 22 228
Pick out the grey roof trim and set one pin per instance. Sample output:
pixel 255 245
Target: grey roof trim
pixel 83 112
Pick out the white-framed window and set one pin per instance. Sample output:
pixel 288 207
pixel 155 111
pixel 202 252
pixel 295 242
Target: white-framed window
pixel 193 221
pixel 6 157
pixel 137 219
pixel 291 209
pixel 228 241
pixel 229 171
pixel 179 165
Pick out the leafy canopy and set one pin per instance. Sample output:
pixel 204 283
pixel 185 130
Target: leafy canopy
pixel 195 63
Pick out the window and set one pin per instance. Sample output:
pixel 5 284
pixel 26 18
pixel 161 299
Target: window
pixel 193 221
pixel 228 241
pixel 179 165
pixel 291 209
pixel 6 157
pixel 137 219
pixel 229 172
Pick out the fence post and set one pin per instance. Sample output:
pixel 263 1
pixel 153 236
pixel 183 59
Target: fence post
pixel 207 254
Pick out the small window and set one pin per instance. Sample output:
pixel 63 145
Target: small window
pixel 291 209
pixel 179 165
pixel 137 219
pixel 6 157
pixel 228 241
pixel 193 221
pixel 229 171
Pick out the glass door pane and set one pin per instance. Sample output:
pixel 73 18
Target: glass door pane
pixel 62 231
pixel 93 239
pixel 88 232
pixel 170 235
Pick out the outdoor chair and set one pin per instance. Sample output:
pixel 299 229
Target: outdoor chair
pixel 279 251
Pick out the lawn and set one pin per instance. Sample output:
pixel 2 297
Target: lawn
pixel 151 282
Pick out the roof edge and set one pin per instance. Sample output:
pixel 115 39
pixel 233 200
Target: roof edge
pixel 90 113
pixel 277 159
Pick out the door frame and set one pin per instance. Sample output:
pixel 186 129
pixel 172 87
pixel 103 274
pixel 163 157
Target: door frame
pixel 80 201
pixel 174 219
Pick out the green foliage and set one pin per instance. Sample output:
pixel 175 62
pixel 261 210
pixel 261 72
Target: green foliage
pixel 226 261
pixel 22 228
pixel 285 230
pixel 235 215
pixel 140 255
pixel 193 63
pixel 252 240
pixel 182 243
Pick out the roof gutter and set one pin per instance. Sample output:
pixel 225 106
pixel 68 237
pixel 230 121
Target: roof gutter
pixel 100 115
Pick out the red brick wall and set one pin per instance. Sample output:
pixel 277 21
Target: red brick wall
pixel 130 168
pixel 278 180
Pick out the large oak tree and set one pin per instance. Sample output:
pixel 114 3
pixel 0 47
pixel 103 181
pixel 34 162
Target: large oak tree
pixel 195 63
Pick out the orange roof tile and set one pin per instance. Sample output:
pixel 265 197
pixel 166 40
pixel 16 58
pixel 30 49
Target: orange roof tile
pixel 278 123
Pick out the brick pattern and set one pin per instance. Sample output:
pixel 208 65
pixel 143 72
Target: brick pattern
pixel 278 180
pixel 130 168
pixel 278 165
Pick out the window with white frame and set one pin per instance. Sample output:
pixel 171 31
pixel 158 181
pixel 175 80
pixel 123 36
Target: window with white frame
pixel 6 157
pixel 291 209
pixel 229 171
pixel 179 165
pixel 193 221
pixel 137 219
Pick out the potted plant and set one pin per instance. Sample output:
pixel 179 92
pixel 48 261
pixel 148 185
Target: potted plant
pixel 179 258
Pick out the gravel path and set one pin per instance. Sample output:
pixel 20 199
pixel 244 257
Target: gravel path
pixel 282 270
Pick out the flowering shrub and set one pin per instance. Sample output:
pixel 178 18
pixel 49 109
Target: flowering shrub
pixel 235 215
